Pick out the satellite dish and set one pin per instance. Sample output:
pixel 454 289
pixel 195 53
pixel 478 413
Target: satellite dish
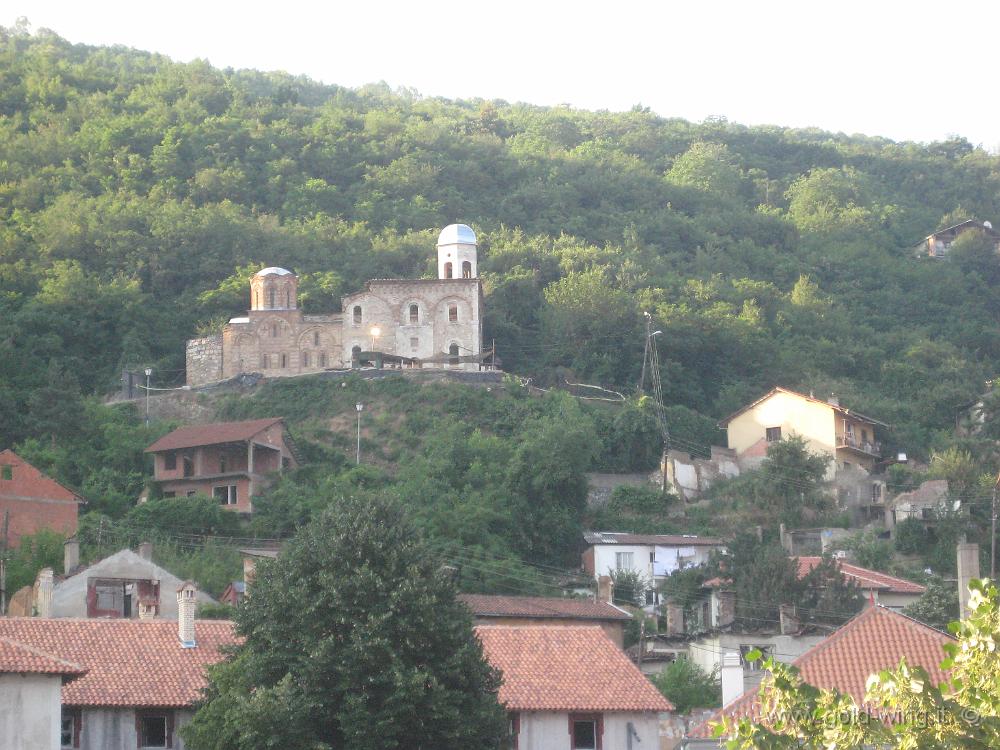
pixel 987 224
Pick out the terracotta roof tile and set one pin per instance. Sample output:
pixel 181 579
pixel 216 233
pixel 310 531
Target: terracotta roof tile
pixel 867 580
pixel 19 658
pixel 127 662
pixel 542 607
pixel 195 435
pixel 569 668
pixel 875 639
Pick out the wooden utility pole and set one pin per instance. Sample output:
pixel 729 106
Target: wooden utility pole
pixel 3 563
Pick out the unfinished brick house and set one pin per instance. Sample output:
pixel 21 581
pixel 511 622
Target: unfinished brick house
pixel 33 501
pixel 230 461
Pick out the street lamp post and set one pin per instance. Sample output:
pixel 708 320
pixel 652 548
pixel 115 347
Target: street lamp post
pixel 376 332
pixel 149 371
pixel 359 407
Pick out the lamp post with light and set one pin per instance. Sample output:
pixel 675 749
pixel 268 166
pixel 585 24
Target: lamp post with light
pixel 375 332
pixel 359 406
pixel 149 371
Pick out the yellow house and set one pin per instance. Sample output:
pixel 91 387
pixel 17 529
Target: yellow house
pixel 827 427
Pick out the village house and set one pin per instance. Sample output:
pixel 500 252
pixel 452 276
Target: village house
pixel 937 244
pixel 874 640
pixel 128 683
pixel 572 688
pixel 545 610
pixel 827 428
pixel 417 322
pixel 881 588
pixel 125 585
pixel 651 556
pixel 33 502
pixel 228 461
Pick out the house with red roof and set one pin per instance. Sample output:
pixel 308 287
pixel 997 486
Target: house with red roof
pixel 572 688
pixel 876 639
pixel 230 461
pixel 124 683
pixel 33 501
pixel 515 611
pixel 881 588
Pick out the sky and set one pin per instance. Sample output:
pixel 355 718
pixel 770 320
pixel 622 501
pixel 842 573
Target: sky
pixel 879 67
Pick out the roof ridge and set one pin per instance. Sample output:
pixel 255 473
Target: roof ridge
pixel 41 653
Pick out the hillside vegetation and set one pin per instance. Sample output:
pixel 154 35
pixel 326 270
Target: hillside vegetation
pixel 138 194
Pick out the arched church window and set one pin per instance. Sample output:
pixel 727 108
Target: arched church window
pixel 288 299
pixel 284 361
pixel 305 359
pixel 447 270
pixel 315 338
pixel 453 351
pixel 466 269
pixel 274 330
pixel 270 297
pixel 452 313
pixel 414 314
pixel 357 315
pixel 322 359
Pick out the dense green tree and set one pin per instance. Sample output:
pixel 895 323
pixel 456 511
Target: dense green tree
pixel 938 605
pixel 354 627
pixel 687 686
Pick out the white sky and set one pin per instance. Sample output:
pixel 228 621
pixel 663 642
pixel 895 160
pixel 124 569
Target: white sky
pixel 905 70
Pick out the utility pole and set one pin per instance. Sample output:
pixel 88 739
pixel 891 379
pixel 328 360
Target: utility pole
pixel 149 371
pixel 645 353
pixel 359 406
pixel 993 532
pixel 3 564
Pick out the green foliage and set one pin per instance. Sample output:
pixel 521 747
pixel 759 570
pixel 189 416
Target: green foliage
pixel 44 549
pixel 938 605
pixel 629 587
pixel 197 515
pixel 208 611
pixel 960 713
pixel 911 537
pixel 688 686
pixel 356 599
pixel 870 551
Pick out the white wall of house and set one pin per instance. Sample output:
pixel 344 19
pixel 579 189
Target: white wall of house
pixel 550 731
pixel 606 558
pixel 895 601
pixel 115 729
pixel 29 711
pixel 707 651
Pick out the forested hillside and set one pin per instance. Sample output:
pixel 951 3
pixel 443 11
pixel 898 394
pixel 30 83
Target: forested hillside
pixel 137 195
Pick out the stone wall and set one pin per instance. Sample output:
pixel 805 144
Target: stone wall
pixel 204 360
pixel 690 476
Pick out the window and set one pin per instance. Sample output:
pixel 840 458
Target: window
pixel 466 269
pixel 288 300
pixel 414 344
pixel 624 560
pixel 188 466
pixel 154 730
pixel 274 330
pixel 585 731
pixel 864 436
pixel 69 728
pixel 263 361
pixel 222 464
pixel 322 360
pixel 170 461
pixel 270 297
pixel 191 493
pixel 357 315
pixel 109 599
pixel 876 493
pixel 284 361
pixel 447 270
pixel 452 313
pixel 305 359
pixel 773 434
pixel 414 314
pixel 225 494
pixel 453 351
pixel 315 338
pixel 355 351
pixel 7 472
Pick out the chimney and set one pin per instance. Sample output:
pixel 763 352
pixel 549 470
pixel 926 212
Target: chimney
pixel 185 614
pixel 147 611
pixel 789 621
pixel 43 593
pixel 146 551
pixel 675 619
pixel 834 400
pixel 605 589
pixel 726 613
pixel 71 555
pixel 968 568
pixel 732 677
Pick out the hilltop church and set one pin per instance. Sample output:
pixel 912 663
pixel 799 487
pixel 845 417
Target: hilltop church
pixel 416 319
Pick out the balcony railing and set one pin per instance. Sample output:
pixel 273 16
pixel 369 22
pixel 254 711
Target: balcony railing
pixel 871 447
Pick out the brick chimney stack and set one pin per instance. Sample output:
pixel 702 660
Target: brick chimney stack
pixel 146 551
pixel 71 555
pixel 968 568
pixel 605 589
pixel 186 603
pixel 789 620
pixel 731 677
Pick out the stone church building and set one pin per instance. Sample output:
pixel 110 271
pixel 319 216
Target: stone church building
pixel 416 319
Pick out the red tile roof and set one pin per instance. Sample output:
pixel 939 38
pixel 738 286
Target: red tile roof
pixel 867 580
pixel 542 607
pixel 127 662
pixel 19 658
pixel 874 640
pixel 568 668
pixel 196 435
